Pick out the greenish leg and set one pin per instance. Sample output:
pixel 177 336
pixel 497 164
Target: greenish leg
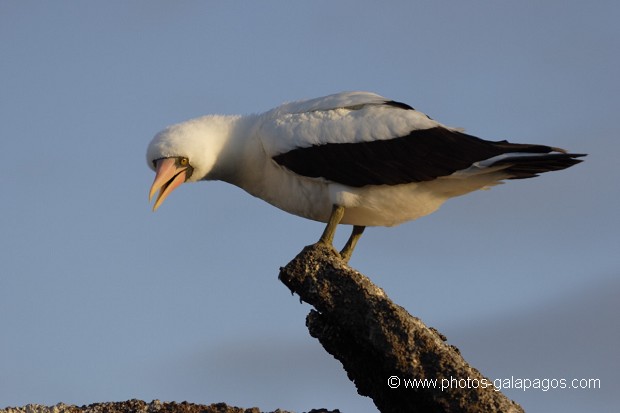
pixel 352 242
pixel 334 219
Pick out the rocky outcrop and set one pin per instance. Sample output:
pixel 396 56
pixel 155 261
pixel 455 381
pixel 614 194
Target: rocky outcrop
pixel 391 356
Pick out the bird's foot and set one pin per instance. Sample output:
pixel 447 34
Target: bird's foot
pixel 330 246
pixel 345 254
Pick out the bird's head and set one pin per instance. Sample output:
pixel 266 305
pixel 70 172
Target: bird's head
pixel 186 152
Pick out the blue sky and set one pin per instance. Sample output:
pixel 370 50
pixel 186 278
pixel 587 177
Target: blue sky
pixel 102 300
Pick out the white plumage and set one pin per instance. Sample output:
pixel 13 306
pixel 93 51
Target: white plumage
pixel 351 158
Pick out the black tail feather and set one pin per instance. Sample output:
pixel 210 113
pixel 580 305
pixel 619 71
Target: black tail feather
pixel 522 167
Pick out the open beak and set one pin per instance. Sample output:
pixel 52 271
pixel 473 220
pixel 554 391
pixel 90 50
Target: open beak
pixel 168 176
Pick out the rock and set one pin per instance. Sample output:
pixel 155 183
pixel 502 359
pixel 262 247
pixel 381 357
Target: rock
pixel 139 406
pixel 391 356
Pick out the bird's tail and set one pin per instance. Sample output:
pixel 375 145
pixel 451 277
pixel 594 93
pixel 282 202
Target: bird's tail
pixel 522 165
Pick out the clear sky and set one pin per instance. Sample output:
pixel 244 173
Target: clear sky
pixel 103 300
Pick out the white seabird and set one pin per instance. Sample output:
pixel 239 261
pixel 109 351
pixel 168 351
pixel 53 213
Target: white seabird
pixel 350 158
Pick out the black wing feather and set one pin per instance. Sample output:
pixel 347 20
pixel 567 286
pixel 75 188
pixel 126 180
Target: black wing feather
pixel 423 155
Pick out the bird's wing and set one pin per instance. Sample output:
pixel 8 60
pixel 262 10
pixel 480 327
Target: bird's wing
pixel 335 101
pixel 348 117
pixel 359 139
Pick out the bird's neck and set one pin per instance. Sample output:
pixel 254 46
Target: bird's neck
pixel 239 151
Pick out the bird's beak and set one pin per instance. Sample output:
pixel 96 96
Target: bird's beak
pixel 168 176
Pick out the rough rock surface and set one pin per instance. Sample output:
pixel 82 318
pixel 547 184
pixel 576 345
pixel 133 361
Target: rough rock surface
pixel 381 346
pixel 139 406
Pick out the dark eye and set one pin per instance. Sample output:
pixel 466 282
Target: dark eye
pixel 183 161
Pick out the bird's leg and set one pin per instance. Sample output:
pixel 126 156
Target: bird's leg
pixel 352 242
pixel 334 219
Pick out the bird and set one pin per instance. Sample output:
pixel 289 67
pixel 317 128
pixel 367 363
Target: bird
pixel 352 158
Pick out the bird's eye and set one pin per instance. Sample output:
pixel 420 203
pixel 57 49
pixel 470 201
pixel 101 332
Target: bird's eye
pixel 184 161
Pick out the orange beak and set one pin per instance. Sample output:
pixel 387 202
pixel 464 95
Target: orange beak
pixel 168 177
